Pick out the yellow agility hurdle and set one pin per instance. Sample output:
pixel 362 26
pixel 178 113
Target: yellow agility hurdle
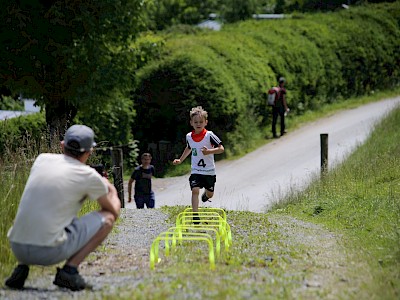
pixel 184 230
pixel 210 219
pixel 210 209
pixel 171 236
pixel 216 221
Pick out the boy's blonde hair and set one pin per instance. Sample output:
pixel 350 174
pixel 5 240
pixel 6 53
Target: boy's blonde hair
pixel 198 111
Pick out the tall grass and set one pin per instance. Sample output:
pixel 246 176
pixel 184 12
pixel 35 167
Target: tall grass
pixel 14 169
pixel 361 198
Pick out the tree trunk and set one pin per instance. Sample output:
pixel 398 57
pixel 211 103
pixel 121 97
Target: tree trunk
pixel 59 115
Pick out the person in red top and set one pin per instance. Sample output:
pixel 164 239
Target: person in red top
pixel 280 108
pixel 202 144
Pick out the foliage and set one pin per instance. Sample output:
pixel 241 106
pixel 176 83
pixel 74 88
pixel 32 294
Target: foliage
pixel 161 14
pixel 111 122
pixel 325 58
pixel 15 132
pixel 9 103
pixel 67 54
pixel 361 198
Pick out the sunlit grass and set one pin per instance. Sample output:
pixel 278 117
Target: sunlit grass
pixel 14 169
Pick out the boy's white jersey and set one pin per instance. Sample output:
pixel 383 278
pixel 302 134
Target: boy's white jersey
pixel 203 164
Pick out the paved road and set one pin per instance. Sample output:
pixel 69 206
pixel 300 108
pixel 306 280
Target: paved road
pixel 264 176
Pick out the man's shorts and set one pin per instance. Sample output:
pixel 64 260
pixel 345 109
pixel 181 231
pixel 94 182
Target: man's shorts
pixel 141 200
pixel 79 232
pixel 203 181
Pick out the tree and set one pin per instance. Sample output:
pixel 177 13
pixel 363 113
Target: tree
pixel 70 55
pixel 237 10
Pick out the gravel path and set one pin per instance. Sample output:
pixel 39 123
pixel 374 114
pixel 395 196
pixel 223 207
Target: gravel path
pixel 123 262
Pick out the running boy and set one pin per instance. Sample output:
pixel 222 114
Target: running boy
pixel 203 144
pixel 142 177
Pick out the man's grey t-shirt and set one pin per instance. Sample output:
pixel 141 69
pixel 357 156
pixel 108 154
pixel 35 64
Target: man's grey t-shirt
pixel 53 195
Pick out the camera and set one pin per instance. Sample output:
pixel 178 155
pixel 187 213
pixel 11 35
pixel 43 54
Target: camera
pixel 100 169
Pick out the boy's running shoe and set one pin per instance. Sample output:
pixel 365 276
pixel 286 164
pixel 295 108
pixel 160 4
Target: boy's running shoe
pixel 196 219
pixel 204 197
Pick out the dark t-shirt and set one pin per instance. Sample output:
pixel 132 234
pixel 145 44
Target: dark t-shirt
pixel 142 179
pixel 279 99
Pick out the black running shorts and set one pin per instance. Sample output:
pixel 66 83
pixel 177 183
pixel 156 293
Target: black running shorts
pixel 203 181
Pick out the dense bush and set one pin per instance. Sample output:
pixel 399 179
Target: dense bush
pixel 111 122
pixel 17 131
pixel 325 58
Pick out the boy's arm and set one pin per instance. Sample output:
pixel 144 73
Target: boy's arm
pixel 185 154
pixel 216 150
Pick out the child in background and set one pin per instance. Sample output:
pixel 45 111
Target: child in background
pixel 203 144
pixel 143 190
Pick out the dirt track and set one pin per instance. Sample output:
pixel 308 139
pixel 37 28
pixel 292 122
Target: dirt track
pixel 258 179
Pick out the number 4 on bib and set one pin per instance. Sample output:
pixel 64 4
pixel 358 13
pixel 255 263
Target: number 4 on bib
pixel 201 163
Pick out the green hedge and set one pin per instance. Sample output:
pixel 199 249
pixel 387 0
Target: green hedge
pixel 325 58
pixel 22 130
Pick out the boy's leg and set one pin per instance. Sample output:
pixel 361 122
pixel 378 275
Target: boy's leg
pixel 140 200
pixel 207 195
pixel 195 185
pixel 150 200
pixel 195 205
pixel 209 184
pixel 195 198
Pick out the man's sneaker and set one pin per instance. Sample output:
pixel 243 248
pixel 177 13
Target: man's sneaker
pixel 74 282
pixel 18 277
pixel 204 197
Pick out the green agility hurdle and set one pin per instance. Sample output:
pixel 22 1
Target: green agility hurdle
pixel 210 209
pixel 172 236
pixel 211 219
pixel 180 230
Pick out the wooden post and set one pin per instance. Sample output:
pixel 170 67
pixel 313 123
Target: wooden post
pixel 117 161
pixel 324 154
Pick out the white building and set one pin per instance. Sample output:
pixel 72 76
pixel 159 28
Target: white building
pixel 29 108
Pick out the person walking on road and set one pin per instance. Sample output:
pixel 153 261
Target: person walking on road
pixel 46 229
pixel 280 108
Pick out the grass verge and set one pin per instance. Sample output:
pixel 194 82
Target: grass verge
pixel 361 199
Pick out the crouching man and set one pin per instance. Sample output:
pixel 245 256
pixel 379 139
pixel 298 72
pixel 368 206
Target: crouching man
pixel 46 230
